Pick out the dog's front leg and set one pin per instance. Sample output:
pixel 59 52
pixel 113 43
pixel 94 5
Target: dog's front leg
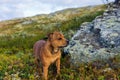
pixel 58 65
pixel 45 72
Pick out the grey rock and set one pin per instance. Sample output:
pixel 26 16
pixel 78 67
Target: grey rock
pixel 96 40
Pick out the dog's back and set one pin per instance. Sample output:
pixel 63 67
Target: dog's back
pixel 37 47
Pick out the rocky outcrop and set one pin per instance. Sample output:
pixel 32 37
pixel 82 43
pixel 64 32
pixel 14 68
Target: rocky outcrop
pixel 97 40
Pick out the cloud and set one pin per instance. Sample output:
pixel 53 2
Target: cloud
pixel 71 2
pixel 19 8
pixel 22 8
pixel 8 12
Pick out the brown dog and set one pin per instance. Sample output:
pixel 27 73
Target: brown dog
pixel 48 51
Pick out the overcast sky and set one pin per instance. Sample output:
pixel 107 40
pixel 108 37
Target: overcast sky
pixel 22 8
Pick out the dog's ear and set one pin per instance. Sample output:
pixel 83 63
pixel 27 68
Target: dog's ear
pixel 50 35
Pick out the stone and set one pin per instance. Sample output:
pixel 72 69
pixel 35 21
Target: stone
pixel 96 40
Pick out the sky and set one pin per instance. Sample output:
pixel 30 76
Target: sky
pixel 10 9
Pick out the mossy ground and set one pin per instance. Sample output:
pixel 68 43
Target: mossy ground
pixel 21 66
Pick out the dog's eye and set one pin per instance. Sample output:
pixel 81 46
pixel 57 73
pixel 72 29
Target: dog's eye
pixel 59 38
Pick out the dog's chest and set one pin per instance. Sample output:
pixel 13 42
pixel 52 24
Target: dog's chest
pixel 55 56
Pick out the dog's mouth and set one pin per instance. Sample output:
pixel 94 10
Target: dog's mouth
pixel 67 43
pixel 62 46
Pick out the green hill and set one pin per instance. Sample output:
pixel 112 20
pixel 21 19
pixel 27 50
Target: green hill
pixel 25 31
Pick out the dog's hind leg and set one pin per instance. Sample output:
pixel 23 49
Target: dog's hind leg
pixel 37 62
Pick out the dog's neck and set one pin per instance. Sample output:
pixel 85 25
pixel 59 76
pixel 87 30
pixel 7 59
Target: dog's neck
pixel 52 49
pixel 55 50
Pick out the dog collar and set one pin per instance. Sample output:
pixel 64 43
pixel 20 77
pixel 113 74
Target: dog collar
pixel 56 50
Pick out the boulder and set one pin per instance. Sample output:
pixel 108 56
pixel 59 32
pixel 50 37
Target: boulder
pixel 96 40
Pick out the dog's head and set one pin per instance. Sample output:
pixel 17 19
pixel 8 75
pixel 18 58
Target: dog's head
pixel 57 39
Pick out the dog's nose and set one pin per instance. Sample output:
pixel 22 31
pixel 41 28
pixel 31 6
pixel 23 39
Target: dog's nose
pixel 67 42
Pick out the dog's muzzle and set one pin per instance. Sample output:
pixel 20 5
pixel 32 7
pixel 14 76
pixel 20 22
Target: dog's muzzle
pixel 67 42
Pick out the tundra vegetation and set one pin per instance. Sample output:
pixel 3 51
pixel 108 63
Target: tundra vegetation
pixel 17 37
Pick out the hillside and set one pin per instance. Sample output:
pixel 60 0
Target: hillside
pixel 34 25
pixel 67 21
pixel 17 37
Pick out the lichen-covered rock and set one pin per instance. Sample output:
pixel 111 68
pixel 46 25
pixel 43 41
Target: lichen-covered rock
pixel 96 40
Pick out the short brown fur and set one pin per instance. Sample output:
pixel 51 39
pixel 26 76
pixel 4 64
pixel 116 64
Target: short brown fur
pixel 48 52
